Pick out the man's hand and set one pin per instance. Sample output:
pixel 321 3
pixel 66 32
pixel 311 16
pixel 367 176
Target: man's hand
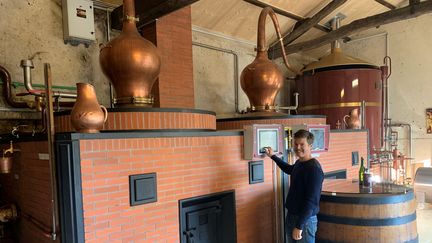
pixel 297 234
pixel 268 151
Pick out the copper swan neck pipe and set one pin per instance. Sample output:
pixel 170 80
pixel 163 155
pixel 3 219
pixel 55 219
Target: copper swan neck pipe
pixel 261 40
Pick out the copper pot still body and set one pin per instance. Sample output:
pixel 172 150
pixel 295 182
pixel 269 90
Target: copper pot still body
pixel 87 116
pixel 262 80
pixel 131 63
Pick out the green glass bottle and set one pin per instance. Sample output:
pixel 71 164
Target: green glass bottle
pixel 361 172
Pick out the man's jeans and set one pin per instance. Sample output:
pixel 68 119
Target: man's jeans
pixel 309 230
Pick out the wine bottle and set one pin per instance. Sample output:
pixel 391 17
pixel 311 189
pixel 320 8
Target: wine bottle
pixel 361 172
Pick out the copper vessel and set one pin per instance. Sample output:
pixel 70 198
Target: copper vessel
pixel 352 121
pixel 6 161
pixel 131 63
pixel 87 116
pixel 5 165
pixel 261 80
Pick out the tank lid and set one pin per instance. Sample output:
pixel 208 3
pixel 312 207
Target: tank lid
pixel 334 59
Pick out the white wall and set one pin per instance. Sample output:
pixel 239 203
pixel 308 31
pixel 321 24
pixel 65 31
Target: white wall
pixel 409 46
pixel 29 27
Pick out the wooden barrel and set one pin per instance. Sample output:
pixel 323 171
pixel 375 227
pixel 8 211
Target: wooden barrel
pixel 367 218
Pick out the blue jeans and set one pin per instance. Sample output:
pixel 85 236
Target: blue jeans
pixel 309 230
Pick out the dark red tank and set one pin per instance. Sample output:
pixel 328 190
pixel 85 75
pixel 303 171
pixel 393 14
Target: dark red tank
pixel 335 86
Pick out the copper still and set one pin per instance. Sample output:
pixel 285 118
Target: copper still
pixel 131 63
pixel 262 80
pixel 87 116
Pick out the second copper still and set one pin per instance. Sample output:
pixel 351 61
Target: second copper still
pixel 261 80
pixel 87 116
pixel 131 62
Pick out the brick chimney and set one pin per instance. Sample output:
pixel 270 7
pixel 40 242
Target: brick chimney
pixel 172 34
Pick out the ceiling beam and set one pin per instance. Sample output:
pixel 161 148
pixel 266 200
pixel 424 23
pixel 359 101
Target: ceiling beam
pixel 148 11
pixel 385 3
pixel 307 24
pixel 286 14
pixel 399 14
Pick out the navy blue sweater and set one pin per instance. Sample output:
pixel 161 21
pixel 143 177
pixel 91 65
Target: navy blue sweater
pixel 305 188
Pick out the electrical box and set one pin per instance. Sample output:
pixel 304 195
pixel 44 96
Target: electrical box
pixel 321 136
pixel 258 136
pixel 78 21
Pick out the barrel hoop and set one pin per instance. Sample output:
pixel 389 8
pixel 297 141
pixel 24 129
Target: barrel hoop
pixel 367 222
pixel 338 105
pixel 318 240
pixel 368 199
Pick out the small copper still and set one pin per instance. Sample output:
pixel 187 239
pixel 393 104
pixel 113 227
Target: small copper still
pixel 352 121
pixel 131 62
pixel 87 116
pixel 6 161
pixel 261 80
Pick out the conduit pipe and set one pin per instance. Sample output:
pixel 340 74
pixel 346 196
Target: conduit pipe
pixel 410 149
pixel 27 65
pixel 51 133
pixel 290 108
pixel 7 90
pixel 236 79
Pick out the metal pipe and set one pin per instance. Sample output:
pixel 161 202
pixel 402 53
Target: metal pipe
pixel 261 39
pixel 27 65
pixel 21 129
pixel 51 133
pixel 289 108
pixel 410 151
pixel 335 23
pixel 236 79
pixel 27 110
pixel 363 115
pixel 7 90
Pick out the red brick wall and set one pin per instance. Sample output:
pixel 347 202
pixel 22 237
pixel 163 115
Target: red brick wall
pixel 339 155
pixel 28 186
pixel 229 125
pixel 186 167
pixel 146 120
pixel 173 35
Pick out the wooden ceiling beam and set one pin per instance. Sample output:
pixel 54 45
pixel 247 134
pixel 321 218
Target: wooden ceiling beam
pixel 307 24
pixel 399 14
pixel 385 3
pixel 286 14
pixel 148 11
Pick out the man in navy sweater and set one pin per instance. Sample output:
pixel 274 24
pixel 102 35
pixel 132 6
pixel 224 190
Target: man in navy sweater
pixel 305 189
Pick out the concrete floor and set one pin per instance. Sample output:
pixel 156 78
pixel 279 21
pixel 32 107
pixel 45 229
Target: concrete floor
pixel 424 222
